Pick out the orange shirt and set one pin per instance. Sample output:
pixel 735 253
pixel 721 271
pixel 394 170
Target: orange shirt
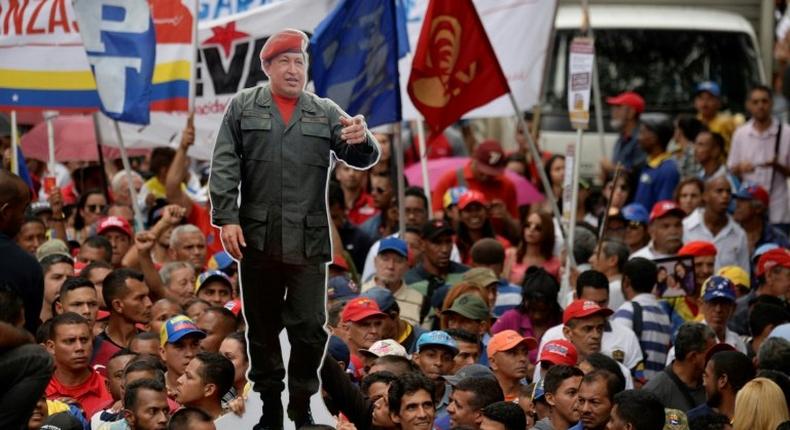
pixel 500 188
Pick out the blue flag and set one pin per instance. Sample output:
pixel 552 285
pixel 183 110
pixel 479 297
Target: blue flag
pixel 120 42
pixel 354 59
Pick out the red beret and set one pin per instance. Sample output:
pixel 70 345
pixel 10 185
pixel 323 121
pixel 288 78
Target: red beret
pixel 288 40
pixel 697 248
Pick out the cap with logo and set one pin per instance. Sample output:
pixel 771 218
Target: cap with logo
pixel 452 196
pixel 384 347
pixel 582 309
pixel 360 308
pixel 718 287
pixel 470 197
pixel 666 208
pixel 506 340
pixel 176 328
pixel 114 223
pixel 490 158
pixel 559 351
pixel 432 229
pixel 212 275
pixel 437 338
pixel 628 98
pixel 393 244
pixel 470 306
pixel 635 212
pixel 341 287
pixel 753 192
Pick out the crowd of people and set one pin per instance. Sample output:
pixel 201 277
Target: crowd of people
pixel 675 315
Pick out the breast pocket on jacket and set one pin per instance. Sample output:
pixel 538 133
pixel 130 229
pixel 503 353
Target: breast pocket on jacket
pixel 256 130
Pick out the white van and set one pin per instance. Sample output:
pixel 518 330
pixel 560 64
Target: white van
pixel 661 52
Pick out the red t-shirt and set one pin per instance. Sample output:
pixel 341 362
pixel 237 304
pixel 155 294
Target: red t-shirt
pixel 103 349
pixel 91 394
pixel 286 106
pixel 500 188
pixel 362 210
pixel 200 217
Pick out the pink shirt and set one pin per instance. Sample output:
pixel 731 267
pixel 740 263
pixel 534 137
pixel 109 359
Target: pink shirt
pixel 758 148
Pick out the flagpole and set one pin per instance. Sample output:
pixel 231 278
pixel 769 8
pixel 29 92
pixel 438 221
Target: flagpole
pixel 48 117
pixel 192 77
pixel 569 259
pixel 397 153
pixel 14 145
pixel 138 216
pixel 97 132
pixel 426 183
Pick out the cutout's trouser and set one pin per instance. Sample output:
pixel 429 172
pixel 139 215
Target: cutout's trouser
pixel 24 374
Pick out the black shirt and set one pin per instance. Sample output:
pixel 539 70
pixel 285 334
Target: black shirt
pixel 20 271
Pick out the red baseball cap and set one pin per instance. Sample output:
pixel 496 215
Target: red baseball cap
pixel 359 308
pixel 114 222
pixel 628 98
pixel 490 158
pixel 773 258
pixel 472 196
pixel 698 248
pixel 288 40
pixel 754 192
pixel 582 309
pixel 664 208
pixel 559 351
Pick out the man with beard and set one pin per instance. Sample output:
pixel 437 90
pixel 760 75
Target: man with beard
pixel 725 374
pixel 626 108
pixel 666 231
pixel 713 224
pixel 561 391
pixel 596 399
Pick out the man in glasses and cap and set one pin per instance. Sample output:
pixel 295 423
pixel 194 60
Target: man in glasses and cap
pixel 273 150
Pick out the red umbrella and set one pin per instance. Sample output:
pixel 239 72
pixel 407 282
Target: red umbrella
pixel 526 193
pixel 75 140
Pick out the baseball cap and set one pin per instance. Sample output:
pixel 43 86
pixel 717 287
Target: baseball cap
pixel 490 157
pixel 736 275
pixel 675 419
pixel 359 308
pixel 452 195
pixel 37 208
pixel 287 40
pixel 635 212
pixel 338 349
pixel 382 296
pixel 472 196
pixel 220 261
pixel 52 247
pixel 698 248
pixel 506 340
pixel 437 337
pixel 114 222
pixel 753 192
pixel 341 287
pixel 474 370
pixel 394 244
pixel 718 287
pixel 773 258
pixel 339 261
pixel 762 249
pixel 210 275
pixel 234 306
pixel 628 98
pixel 782 330
pixel 661 125
pixel 469 306
pixel 559 351
pixel 62 421
pixel 384 347
pixel 582 309
pixel 480 276
pixel 176 328
pixel 435 228
pixel 708 87
pixel 664 208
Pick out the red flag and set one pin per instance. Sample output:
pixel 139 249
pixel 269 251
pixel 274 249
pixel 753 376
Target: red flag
pixel 454 69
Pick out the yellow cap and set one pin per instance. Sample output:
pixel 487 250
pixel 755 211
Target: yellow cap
pixel 737 275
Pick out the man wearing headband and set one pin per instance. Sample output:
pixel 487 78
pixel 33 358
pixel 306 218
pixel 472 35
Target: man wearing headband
pixel 273 150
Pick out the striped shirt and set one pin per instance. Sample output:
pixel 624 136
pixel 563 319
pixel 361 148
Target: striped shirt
pixel 656 330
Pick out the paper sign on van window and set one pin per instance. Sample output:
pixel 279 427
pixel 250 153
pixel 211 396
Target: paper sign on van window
pixel 580 69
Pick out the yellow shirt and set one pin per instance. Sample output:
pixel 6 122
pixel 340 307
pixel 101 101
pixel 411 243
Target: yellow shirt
pixel 725 124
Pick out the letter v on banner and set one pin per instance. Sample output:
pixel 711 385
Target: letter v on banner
pixel 120 42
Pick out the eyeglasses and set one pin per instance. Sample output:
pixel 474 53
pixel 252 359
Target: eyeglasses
pixel 97 209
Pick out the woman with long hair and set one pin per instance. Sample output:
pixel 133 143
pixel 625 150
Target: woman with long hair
pixel 555 172
pixel 759 405
pixel 90 208
pixel 538 311
pixel 688 194
pixel 535 249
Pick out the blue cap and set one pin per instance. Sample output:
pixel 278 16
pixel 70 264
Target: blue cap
pixel 708 87
pixel 718 287
pixel 212 274
pixel 220 261
pixel 382 296
pixel 338 349
pixel 341 288
pixel 176 328
pixel 635 212
pixel 394 244
pixel 782 330
pixel 437 337
pixel 540 391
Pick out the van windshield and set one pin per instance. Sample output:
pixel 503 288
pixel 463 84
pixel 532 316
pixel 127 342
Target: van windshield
pixel 662 65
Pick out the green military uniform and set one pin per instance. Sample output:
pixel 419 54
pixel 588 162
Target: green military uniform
pixel 280 171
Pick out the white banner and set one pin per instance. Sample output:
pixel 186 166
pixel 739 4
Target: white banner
pixel 228 62
pixel 580 70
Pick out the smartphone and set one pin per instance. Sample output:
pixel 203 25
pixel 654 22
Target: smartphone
pixel 49 184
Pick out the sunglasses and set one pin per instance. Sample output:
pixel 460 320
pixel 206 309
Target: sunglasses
pixel 97 209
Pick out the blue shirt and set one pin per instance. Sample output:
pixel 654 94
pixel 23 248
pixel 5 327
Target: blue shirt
pixel 508 296
pixel 627 150
pixel 657 182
